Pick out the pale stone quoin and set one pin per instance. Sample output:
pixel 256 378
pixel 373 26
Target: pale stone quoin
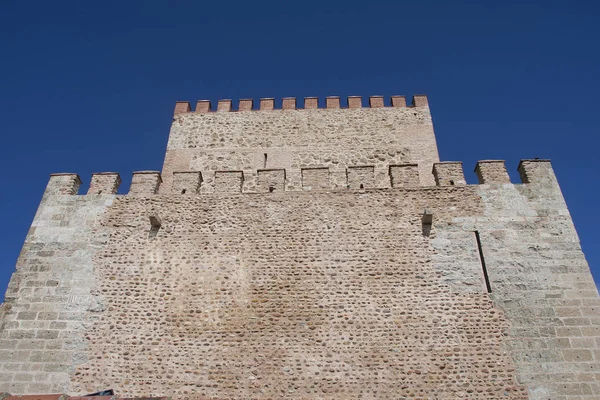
pixel 304 249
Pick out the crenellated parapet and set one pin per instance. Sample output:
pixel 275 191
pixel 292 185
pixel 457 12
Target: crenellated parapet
pixel 267 216
pixel 492 171
pixel 536 170
pixel 145 182
pixel 290 103
pixel 63 183
pixel 360 177
pixel 338 133
pixel 187 182
pixel 104 183
pixel 449 173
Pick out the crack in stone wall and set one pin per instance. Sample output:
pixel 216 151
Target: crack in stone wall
pixel 539 278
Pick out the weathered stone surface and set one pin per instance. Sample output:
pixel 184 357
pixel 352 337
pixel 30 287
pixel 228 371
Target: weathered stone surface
pixel 492 171
pixel 406 175
pixel 48 300
pixel 105 182
pixel 295 139
pixel 259 279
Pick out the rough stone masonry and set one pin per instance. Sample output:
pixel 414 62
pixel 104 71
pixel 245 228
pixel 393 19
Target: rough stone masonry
pixel 304 253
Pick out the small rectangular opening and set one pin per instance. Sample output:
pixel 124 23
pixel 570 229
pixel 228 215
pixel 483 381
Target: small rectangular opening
pixel 483 266
pixel 153 232
pixel 155 223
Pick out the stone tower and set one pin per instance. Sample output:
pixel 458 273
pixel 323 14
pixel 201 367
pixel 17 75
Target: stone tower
pixel 304 253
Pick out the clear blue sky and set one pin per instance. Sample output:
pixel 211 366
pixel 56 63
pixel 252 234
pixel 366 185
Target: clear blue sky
pixel 90 86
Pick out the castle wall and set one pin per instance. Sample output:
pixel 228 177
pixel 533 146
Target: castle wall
pixel 49 300
pixel 290 296
pixel 293 139
pixel 538 276
pixel 312 294
pixel 314 253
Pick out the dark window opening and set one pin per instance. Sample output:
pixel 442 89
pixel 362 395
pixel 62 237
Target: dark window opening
pixel 265 162
pixel 426 222
pixel 451 182
pixel 153 232
pixel 108 392
pixel 155 224
pixel 362 186
pixel 183 191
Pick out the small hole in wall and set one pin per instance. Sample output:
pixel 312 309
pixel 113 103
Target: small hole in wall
pixel 426 230
pixel 153 232
pixel 271 189
pixel 362 186
pixel 451 182
pixel 265 160
pixel 183 191
pixel 99 191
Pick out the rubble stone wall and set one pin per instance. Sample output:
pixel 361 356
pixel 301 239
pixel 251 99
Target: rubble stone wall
pixel 312 294
pixel 304 254
pixel 301 138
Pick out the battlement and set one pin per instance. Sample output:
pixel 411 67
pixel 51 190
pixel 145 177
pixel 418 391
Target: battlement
pixel 290 134
pixel 290 103
pixel 305 250
pixel 362 177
